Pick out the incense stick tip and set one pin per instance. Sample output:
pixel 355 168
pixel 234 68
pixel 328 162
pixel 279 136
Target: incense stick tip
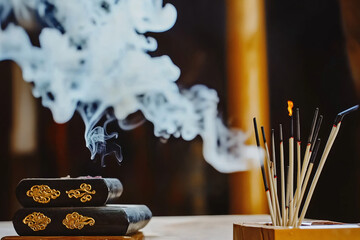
pixel 263 133
pixel 256 132
pixel 342 114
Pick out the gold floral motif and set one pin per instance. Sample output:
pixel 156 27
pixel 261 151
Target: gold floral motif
pixel 84 192
pixel 75 220
pixel 37 221
pixel 42 193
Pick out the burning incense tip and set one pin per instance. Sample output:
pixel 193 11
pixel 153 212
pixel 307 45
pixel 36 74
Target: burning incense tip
pixel 290 107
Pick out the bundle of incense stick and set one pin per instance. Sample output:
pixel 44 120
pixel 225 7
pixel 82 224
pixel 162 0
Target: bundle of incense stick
pixel 286 211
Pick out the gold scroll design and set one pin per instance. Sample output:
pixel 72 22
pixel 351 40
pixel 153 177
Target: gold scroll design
pixel 77 221
pixel 37 221
pixel 84 193
pixel 42 193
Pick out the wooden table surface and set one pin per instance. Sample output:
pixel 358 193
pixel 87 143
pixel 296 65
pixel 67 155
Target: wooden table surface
pixel 181 228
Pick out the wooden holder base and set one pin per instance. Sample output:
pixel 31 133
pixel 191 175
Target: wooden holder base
pixel 314 230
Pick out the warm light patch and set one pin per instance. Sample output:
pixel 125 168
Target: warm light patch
pixel 290 107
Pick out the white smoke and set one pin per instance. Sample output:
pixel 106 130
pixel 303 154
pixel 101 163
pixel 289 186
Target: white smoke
pixel 93 55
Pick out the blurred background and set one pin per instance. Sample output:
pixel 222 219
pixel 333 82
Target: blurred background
pixel 306 51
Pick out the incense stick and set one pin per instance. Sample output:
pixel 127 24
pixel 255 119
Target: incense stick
pixel 271 180
pixel 275 176
pixel 316 132
pixel 287 195
pixel 282 172
pixel 311 165
pixel 307 151
pixel 328 146
pixel 291 162
pixel 291 177
pixel 298 158
pixel 307 177
pixel 273 153
pixel 290 207
pixel 308 147
pixel 334 131
pixel 270 168
pixel 266 186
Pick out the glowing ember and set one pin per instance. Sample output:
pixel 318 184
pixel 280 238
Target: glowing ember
pixel 290 107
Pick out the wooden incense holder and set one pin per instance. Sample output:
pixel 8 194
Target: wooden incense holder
pixel 313 230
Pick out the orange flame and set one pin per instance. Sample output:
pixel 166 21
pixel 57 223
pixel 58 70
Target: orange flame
pixel 290 106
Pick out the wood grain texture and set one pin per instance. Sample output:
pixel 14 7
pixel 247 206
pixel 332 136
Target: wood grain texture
pixel 317 231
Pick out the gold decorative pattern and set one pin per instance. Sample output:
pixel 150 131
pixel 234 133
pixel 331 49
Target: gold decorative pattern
pixel 77 221
pixel 37 221
pixel 84 192
pixel 42 193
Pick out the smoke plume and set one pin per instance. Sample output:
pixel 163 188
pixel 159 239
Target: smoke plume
pixel 93 55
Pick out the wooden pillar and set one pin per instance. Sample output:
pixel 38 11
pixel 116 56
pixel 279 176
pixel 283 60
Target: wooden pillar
pixel 247 93
pixel 24 115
